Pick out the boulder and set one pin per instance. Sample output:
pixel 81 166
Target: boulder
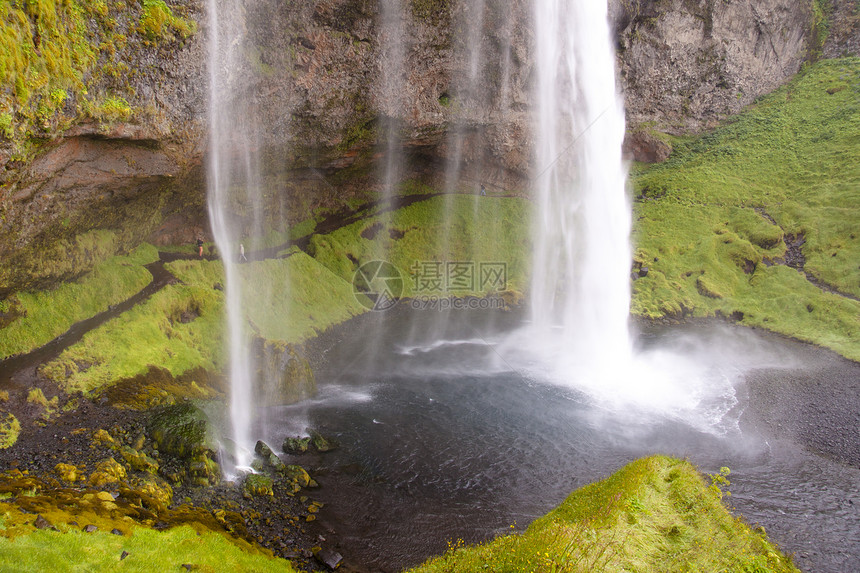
pixel 296 445
pixel 107 472
pixel 256 485
pixel 321 443
pixel 179 430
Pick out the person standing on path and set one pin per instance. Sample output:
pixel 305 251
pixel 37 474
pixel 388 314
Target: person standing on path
pixel 200 247
pixel 242 253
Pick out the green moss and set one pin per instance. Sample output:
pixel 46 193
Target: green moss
pixel 158 22
pixel 147 550
pixel 9 430
pixel 312 299
pixel 713 218
pixel 655 514
pixel 45 315
pixel 112 109
pixel 477 230
pixel 178 329
pixel 57 56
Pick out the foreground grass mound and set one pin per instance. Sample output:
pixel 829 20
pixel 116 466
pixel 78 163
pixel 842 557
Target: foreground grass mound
pixel 36 318
pixel 758 220
pixel 142 550
pixel 655 514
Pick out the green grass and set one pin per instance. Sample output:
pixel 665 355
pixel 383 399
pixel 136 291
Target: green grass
pixel 47 314
pixel 182 326
pixel 703 214
pixel 655 514
pixel 178 328
pixel 477 230
pixel 296 298
pixel 148 550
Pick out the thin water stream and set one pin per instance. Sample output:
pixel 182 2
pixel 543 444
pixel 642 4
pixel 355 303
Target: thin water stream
pixel 449 438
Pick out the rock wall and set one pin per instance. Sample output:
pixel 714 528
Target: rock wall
pixel 685 64
pixel 314 72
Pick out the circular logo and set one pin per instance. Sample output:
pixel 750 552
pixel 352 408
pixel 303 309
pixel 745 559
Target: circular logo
pixel 377 285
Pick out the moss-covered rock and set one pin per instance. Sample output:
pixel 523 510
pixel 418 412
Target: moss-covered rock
pixel 256 485
pixel 107 472
pixel 69 473
pixel 102 437
pixel 296 445
pixel 179 430
pixel 285 376
pixel 203 471
pixel 298 475
pixel 9 430
pixel 322 443
pixel 138 460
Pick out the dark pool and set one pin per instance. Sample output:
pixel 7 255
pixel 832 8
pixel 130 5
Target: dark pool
pixel 447 433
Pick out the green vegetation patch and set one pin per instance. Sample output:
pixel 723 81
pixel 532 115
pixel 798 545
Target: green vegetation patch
pixel 40 317
pixel 655 514
pixel 430 242
pixel 714 222
pixel 296 298
pixel 178 328
pixel 10 428
pixel 158 22
pixel 144 549
pixel 56 55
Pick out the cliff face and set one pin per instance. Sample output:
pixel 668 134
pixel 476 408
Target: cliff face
pixel 685 65
pixel 317 74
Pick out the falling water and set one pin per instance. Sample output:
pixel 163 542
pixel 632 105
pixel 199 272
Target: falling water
pixel 392 91
pixel 233 196
pixel 581 265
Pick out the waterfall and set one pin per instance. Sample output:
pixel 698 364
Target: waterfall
pixel 581 263
pixel 233 192
pixel 392 93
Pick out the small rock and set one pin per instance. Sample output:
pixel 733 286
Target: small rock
pixel 643 272
pixel 262 449
pixel 41 523
pixel 320 442
pixel 329 558
pixel 90 528
pixel 116 531
pixel 296 445
pixel 123 555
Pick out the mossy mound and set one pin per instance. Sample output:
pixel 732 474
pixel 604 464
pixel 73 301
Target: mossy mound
pixel 758 220
pixel 179 430
pixel 655 514
pixel 10 427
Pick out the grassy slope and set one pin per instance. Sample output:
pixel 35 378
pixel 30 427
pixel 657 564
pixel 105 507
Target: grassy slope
pixel 655 514
pixel 148 550
pixel 479 230
pixel 47 314
pixel 181 327
pixel 794 157
pixel 306 298
pixel 152 333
